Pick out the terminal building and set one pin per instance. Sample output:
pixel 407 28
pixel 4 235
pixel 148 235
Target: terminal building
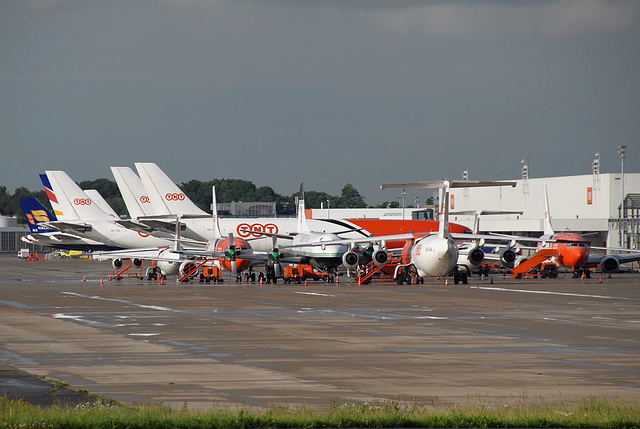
pixel 589 204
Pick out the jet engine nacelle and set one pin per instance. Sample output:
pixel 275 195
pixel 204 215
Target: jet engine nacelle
pixel 508 257
pixel 137 262
pixel 187 267
pixel 380 258
pixel 476 256
pixel 116 263
pixel 350 259
pixel 609 264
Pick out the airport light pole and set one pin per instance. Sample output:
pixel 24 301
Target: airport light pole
pixel 622 150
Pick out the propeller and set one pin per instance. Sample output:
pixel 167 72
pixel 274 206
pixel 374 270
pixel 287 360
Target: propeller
pixel 231 255
pixel 274 257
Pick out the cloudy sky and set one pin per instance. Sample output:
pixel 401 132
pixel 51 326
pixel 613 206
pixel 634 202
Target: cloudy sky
pixel 322 92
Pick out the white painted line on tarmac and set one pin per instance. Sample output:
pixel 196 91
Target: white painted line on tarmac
pixel 544 292
pixel 121 301
pixel 314 293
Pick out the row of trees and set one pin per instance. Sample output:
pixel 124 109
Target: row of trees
pixel 227 190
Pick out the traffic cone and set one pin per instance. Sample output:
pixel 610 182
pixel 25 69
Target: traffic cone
pixel 600 279
pixel 446 282
pixel 101 281
pixel 582 276
pixel 261 280
pixel 84 279
pixel 109 278
pixel 337 279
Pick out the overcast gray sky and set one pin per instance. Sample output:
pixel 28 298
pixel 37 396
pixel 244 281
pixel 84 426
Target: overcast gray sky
pixel 321 92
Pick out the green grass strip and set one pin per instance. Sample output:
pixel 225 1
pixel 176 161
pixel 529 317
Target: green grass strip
pixel 524 413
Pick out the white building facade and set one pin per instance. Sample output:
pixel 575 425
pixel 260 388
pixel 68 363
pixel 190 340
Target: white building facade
pixel 588 204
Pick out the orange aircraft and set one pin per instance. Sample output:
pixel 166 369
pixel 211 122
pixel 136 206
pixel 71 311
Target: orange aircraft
pixel 571 250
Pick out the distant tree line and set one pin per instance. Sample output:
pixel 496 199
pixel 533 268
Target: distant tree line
pixel 227 190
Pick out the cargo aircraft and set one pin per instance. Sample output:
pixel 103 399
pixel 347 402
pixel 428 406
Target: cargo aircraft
pixel 327 250
pixel 437 254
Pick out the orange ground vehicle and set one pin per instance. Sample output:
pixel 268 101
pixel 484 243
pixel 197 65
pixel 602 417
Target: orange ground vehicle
pixel 300 273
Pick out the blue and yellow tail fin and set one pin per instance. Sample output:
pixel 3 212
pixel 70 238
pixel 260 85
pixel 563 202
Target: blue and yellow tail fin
pixel 37 215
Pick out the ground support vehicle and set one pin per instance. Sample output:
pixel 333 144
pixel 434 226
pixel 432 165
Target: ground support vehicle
pixel 301 273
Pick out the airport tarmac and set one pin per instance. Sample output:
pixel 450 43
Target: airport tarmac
pixel 231 344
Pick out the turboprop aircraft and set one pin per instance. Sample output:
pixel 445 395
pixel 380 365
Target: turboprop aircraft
pixel 77 214
pixel 232 253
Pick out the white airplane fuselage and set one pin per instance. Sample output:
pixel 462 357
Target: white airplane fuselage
pixel 433 256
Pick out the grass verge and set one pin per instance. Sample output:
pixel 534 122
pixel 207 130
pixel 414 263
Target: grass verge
pixel 588 412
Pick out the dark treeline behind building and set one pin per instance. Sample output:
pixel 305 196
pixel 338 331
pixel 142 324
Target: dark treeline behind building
pixel 200 192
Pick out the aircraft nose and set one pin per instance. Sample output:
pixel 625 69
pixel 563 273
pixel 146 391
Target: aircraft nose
pixel 576 258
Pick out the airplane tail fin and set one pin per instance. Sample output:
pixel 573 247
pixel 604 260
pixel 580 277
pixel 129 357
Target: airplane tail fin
pixel 548 229
pixel 214 207
pixel 97 198
pixel 166 197
pixel 443 228
pixel 68 200
pixel 37 214
pixel 133 193
pixel 303 225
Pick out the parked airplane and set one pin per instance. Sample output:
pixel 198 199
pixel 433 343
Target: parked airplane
pixel 437 254
pixel 473 253
pixel 37 218
pixel 326 250
pixel 573 250
pixel 232 253
pixel 77 214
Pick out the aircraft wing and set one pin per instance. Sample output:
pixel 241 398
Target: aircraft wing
pixel 372 239
pixel 631 256
pixel 69 227
pixel 139 253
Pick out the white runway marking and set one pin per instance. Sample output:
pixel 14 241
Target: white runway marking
pixel 544 292
pixel 313 293
pixel 121 301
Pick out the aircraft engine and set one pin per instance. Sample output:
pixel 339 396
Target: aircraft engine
pixel 187 267
pixel 508 257
pixel 137 262
pixel 380 258
pixel 350 259
pixel 609 264
pixel 116 263
pixel 476 256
